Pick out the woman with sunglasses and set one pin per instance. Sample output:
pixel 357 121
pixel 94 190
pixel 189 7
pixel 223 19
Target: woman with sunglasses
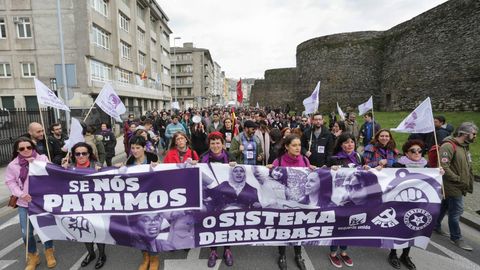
pixel 412 150
pixel 179 150
pixel 16 178
pixel 84 158
pixel 138 156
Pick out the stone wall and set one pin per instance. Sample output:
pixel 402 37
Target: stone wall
pixel 277 89
pixel 435 54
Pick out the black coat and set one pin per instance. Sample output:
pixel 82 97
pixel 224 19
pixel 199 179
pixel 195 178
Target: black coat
pixel 321 147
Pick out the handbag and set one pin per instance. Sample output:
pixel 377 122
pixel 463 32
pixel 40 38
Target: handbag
pixel 12 202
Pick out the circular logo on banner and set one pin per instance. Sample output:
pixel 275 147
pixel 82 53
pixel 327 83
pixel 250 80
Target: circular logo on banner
pixel 417 219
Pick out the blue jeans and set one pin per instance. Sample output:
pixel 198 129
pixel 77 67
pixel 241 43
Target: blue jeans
pixel 335 248
pixel 32 245
pixel 454 206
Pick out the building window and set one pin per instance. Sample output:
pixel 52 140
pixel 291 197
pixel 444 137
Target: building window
pixel 154 66
pixel 140 12
pixel 153 44
pixel 165 52
pixel 124 76
pixel 126 2
pixel 5 71
pixel 101 6
pixel 124 22
pixel 28 70
pixel 141 60
pixel 165 35
pixel 166 71
pixel 101 38
pixel 24 28
pixel 140 35
pixel 99 71
pixel 125 50
pixel 3 28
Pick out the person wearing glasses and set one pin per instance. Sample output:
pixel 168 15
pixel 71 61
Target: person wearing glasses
pixel 16 179
pixel 84 158
pixel 456 160
pixel 303 124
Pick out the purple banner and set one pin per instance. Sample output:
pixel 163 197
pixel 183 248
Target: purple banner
pixel 214 205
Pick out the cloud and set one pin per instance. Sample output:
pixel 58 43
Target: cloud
pixel 249 36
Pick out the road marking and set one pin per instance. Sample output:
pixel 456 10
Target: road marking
pixel 439 262
pixel 192 262
pixel 308 262
pixel 78 263
pixel 10 247
pixel 6 263
pixel 10 222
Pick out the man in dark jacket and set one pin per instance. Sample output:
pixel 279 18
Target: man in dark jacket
pixel 109 142
pixel 368 129
pixel 317 142
pixel 36 134
pixel 57 140
pixel 456 160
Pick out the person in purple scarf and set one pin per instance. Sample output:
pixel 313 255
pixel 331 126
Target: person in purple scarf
pixel 217 154
pixel 344 154
pixel 16 178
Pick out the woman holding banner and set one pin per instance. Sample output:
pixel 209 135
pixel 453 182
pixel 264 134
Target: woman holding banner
pixel 382 152
pixel 290 155
pixel 139 155
pixel 217 154
pixel 179 150
pixel 83 157
pixel 16 178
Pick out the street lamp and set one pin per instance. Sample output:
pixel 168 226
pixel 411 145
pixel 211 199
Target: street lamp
pixel 175 66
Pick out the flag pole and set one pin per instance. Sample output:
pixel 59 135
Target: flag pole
pixel 44 133
pixel 373 121
pixel 437 148
pixel 27 236
pixel 89 111
pixel 311 119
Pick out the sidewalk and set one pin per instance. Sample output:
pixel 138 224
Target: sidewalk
pixel 5 192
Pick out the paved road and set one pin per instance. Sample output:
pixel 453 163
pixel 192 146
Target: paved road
pixel 439 255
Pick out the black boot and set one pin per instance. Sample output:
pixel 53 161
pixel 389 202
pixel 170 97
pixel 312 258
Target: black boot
pixel 408 262
pixel 282 262
pixel 300 262
pixel 393 260
pixel 88 259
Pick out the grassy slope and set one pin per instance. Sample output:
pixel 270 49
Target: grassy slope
pixel 392 119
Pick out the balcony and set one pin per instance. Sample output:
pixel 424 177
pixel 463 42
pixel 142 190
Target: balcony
pixel 131 90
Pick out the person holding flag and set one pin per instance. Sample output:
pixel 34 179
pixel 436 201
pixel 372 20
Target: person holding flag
pixel 368 129
pixel 317 142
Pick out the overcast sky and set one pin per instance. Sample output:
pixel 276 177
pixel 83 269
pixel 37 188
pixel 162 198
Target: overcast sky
pixel 246 37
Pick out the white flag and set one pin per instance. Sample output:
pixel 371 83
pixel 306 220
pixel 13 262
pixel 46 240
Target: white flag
pixel 258 106
pixel 340 112
pixel 175 105
pixel 110 102
pixel 75 135
pixel 365 107
pixel 311 102
pixel 46 97
pixel 419 121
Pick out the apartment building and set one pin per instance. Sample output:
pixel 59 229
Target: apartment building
pixel 192 76
pixel 112 41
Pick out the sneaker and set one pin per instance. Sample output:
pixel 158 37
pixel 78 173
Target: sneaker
pixel 461 244
pixel 394 261
pixel 212 259
pixel 441 232
pixel 346 260
pixel 408 262
pixel 335 261
pixel 228 257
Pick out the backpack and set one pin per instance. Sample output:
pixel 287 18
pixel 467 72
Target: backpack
pixel 433 157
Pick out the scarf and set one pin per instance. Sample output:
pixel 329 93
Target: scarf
pixel 253 147
pixel 211 157
pixel 412 164
pixel 352 158
pixel 23 162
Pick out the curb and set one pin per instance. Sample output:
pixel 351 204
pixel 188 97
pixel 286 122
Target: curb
pixel 4 202
pixel 471 220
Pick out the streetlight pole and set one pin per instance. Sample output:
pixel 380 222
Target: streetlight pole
pixel 175 67
pixel 64 73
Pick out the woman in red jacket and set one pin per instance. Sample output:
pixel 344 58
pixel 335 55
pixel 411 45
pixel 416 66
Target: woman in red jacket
pixel 179 150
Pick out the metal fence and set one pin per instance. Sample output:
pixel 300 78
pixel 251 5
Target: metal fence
pixel 14 123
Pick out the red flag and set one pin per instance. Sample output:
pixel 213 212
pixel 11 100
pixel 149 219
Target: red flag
pixel 239 92
pixel 234 123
